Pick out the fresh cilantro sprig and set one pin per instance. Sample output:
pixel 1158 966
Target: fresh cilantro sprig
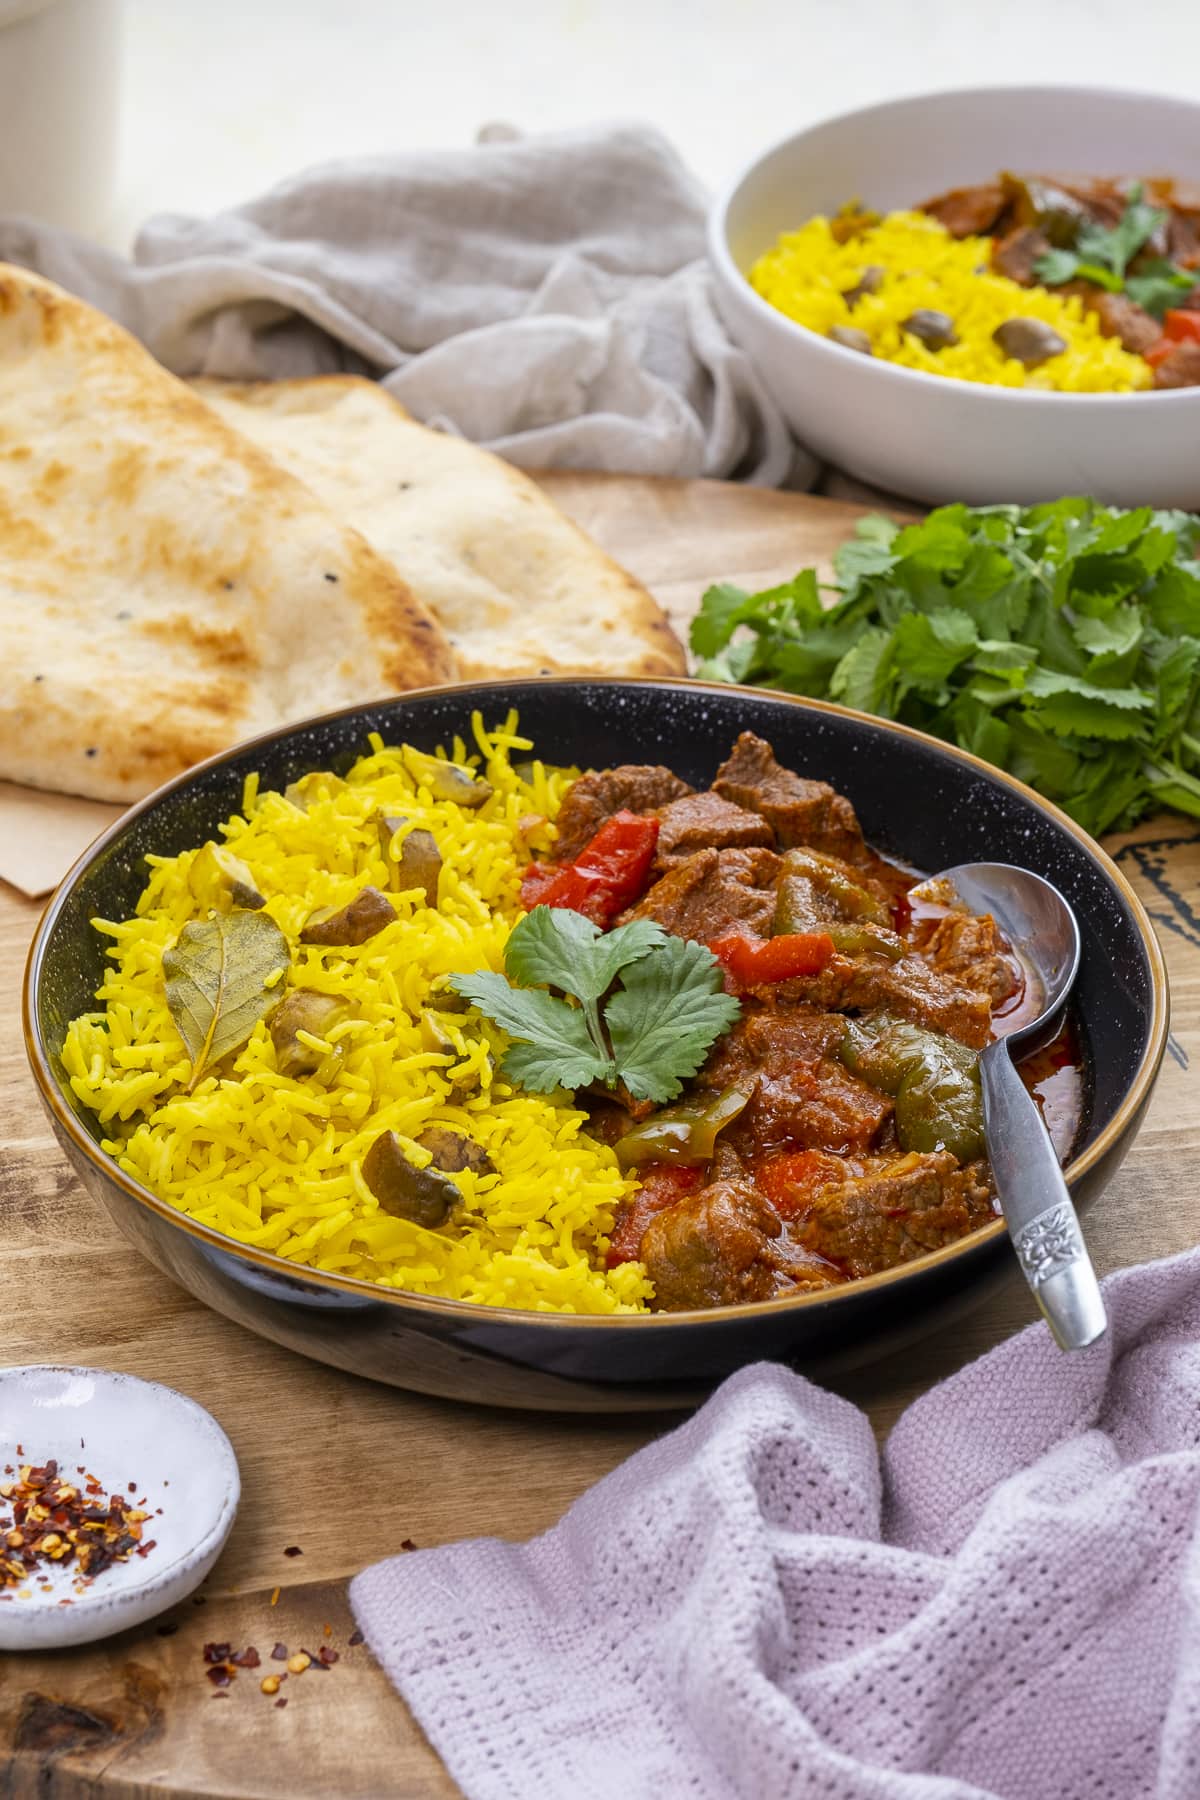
pixel 1102 255
pixel 631 1005
pixel 1061 642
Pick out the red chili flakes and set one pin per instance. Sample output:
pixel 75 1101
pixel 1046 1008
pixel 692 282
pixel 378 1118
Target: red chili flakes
pixel 326 1657
pixel 282 1702
pixel 280 1653
pixel 222 1662
pixel 356 1637
pixel 293 1550
pixel 407 1544
pixel 54 1521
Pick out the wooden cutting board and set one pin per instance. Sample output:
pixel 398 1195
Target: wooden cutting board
pixel 347 1471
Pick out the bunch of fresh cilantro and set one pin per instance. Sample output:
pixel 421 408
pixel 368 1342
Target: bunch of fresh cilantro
pixel 1061 642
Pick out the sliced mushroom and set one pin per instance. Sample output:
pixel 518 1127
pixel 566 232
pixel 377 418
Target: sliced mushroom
pixel 369 912
pixel 420 865
pixel 420 861
pixel 387 825
pixel 319 784
pixel 303 1009
pixel 851 338
pixel 453 1152
pixel 424 1196
pixel 1029 341
pixel 444 998
pixel 432 1035
pixel 221 880
pixel 869 282
pixel 933 329
pixel 449 781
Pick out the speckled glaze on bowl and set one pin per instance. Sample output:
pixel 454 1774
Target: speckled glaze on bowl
pixel 918 434
pixel 917 798
pixel 123 1431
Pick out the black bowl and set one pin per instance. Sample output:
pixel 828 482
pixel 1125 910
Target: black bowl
pixel 917 798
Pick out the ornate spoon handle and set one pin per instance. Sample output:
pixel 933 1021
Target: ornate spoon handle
pixel 1038 1209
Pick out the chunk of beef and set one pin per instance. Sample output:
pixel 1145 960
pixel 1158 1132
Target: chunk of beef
pixel 968 211
pixel 799 1095
pixel 1017 251
pixel 802 1094
pixel 1183 240
pixel 711 892
pixel 1100 197
pixel 909 987
pixel 798 811
pixel 706 822
pixel 974 951
pixel 1180 368
pixel 816 1106
pixel 1120 317
pixel 771 1040
pixel 711 1248
pixel 633 787
pixel 896 1212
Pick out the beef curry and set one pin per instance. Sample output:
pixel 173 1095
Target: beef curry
pixel 836 1129
pixel 1129 250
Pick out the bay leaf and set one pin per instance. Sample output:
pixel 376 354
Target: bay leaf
pixel 216 976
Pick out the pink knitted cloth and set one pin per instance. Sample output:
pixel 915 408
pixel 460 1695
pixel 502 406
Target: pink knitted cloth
pixel 1005 1603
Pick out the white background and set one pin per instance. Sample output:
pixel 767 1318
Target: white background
pixel 223 97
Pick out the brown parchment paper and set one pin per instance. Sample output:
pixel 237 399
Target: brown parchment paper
pixel 41 834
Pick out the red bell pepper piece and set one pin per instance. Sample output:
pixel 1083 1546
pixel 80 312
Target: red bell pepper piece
pixel 608 875
pixel 662 1185
pixel 1181 326
pixel 790 1179
pixel 753 962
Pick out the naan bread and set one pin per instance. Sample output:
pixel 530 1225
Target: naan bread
pixel 517 588
pixel 165 588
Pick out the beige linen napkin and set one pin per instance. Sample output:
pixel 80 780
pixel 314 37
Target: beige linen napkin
pixel 547 296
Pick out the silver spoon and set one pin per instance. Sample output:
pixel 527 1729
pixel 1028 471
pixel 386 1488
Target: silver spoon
pixel 1037 1205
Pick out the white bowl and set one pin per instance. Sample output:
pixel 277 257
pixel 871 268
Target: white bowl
pixel 123 1431
pixel 921 435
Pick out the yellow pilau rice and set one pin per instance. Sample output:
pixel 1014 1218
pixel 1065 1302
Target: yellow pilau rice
pixel 276 1161
pixel 808 273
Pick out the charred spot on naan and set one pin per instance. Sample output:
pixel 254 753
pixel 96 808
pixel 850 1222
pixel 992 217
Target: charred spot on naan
pixel 228 648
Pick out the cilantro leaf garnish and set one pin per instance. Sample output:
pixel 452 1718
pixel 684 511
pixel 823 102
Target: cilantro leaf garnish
pixel 661 1021
pixel 636 1005
pixel 1061 642
pixel 1102 255
pixel 558 1047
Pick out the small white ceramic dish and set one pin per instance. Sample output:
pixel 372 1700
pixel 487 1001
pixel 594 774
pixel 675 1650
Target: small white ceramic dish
pixel 920 435
pixel 126 1433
